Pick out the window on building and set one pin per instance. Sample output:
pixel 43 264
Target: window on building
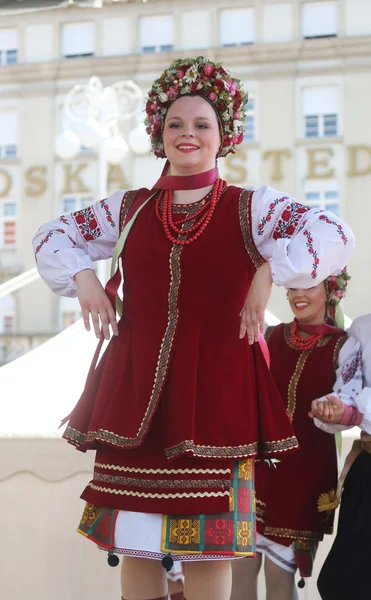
pixel 69 312
pixel 78 40
pixel 326 199
pixel 72 203
pixel 250 122
pixel 8 133
pixel 237 27
pixel 8 46
pixel 319 19
pixel 8 224
pixel 9 323
pixel 7 315
pixel 320 109
pixel 156 33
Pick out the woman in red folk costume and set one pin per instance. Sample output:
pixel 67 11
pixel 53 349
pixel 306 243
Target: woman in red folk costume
pixel 296 498
pixel 182 400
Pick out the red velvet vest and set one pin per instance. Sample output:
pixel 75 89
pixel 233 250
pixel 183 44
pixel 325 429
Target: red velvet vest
pixel 179 334
pixel 290 493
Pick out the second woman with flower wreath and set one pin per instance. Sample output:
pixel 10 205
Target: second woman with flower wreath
pixel 182 400
pixel 296 497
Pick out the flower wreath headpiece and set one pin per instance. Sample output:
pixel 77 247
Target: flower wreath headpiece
pixel 198 76
pixel 336 286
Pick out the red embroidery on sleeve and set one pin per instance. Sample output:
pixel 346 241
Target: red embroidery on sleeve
pixel 87 223
pixel 313 252
pixel 339 228
pixel 104 205
pixel 287 222
pixel 268 216
pixel 47 237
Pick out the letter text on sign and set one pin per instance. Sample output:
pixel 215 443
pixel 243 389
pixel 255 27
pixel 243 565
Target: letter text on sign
pixel 318 167
pixel 357 155
pixel 235 169
pixel 277 155
pixel 5 183
pixel 35 176
pixel 72 175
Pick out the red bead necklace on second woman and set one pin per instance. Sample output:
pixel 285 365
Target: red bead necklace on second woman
pixel 301 343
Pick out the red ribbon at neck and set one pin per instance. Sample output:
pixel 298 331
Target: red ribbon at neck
pixel 186 182
pixel 319 329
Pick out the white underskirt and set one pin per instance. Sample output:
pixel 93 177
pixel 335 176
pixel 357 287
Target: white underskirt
pixel 282 555
pixel 139 534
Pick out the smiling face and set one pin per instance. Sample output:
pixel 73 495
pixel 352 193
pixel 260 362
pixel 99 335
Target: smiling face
pixel 308 306
pixel 191 136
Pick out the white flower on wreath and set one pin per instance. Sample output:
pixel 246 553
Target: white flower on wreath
pixel 191 75
pixel 163 97
pixel 237 126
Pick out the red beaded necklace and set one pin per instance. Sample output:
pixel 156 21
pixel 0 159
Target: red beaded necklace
pixel 166 216
pixel 302 343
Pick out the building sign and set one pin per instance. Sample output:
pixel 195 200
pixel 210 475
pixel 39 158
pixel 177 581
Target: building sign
pixel 36 179
pixel 319 165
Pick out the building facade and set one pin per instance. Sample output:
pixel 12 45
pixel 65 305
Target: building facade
pixel 305 64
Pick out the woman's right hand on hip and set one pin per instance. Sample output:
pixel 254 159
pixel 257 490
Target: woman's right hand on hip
pixel 95 303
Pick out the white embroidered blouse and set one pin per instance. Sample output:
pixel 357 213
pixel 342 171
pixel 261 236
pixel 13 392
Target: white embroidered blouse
pixel 353 382
pixel 303 246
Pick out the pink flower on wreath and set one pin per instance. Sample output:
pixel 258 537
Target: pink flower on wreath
pixel 232 86
pixel 172 92
pixel 180 74
pixel 208 70
pixel 212 96
pixel 236 115
pixel 153 106
pixel 237 139
pixel 156 119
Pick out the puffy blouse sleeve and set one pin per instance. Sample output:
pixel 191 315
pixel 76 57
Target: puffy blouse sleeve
pixel 302 245
pixel 72 242
pixel 360 331
pixel 349 381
